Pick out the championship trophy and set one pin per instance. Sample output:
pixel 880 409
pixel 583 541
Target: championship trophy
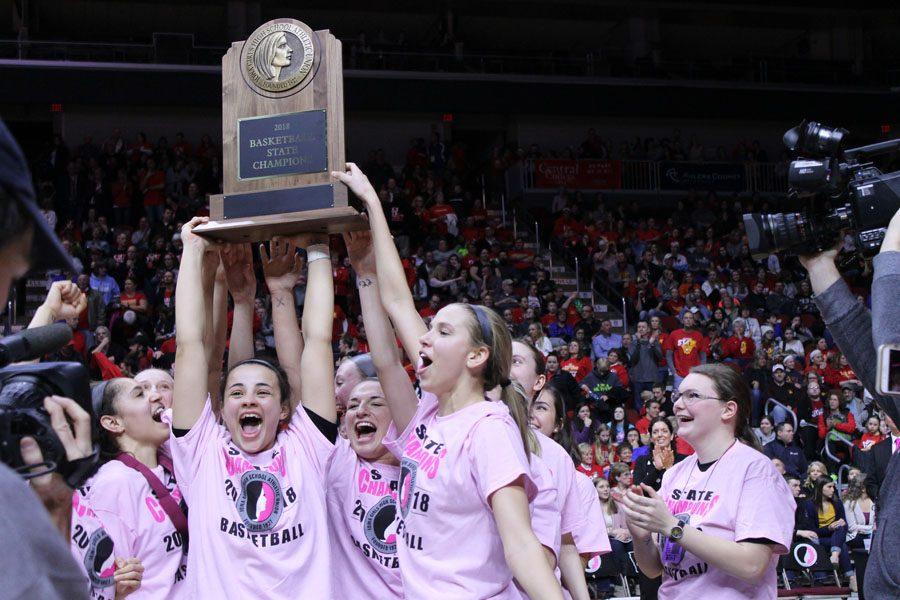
pixel 282 135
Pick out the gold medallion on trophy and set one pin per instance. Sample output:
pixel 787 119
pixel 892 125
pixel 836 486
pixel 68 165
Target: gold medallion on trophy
pixel 278 57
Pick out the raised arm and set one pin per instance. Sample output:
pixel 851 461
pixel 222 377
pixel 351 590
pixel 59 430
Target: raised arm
pixel 238 261
pixel 383 349
pixel 193 297
pixel 217 330
pixel 395 294
pixel 282 267
pixel 64 301
pixel 317 361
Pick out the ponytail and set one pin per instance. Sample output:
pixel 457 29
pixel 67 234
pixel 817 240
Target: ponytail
pixel 488 329
pixel 513 396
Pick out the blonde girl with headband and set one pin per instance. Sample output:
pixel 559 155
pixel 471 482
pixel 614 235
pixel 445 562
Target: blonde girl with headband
pixel 465 479
pixel 723 515
pixel 255 477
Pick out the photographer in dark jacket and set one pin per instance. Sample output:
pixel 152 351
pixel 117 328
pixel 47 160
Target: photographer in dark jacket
pixel 35 561
pixel 858 333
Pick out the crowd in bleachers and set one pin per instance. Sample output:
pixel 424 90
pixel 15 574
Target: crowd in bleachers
pixel 693 294
pixel 673 147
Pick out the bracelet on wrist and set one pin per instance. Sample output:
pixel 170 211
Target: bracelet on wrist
pixel 317 252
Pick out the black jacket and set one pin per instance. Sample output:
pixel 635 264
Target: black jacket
pixel 646 472
pixel 792 456
pixel 875 463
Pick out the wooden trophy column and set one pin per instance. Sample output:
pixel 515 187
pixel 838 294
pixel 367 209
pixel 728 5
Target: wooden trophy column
pixel 282 135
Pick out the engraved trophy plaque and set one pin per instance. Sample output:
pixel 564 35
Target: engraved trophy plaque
pixel 282 135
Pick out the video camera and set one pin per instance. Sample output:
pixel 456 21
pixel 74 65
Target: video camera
pixel 22 392
pixel 23 388
pixel 827 175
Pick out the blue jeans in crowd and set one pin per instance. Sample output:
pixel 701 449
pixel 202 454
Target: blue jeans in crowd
pixel 836 541
pixel 757 404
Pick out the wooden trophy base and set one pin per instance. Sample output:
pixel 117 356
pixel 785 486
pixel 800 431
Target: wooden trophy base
pixel 259 216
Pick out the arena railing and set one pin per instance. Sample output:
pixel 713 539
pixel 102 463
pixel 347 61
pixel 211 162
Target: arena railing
pixel 597 64
pixel 647 176
pixel 787 409
pixel 827 451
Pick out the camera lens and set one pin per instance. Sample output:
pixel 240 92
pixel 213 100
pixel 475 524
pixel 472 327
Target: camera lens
pixel 776 232
pixel 815 139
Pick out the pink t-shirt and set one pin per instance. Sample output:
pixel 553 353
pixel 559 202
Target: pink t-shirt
pixel 590 535
pixel 138 526
pixel 91 546
pixel 450 466
pixel 258 522
pixel 740 497
pixel 578 515
pixel 362 515
pixel 544 507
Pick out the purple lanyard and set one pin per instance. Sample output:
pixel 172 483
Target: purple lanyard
pixel 168 503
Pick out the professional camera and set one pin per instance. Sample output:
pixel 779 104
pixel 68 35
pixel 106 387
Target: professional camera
pixel 843 191
pixel 22 392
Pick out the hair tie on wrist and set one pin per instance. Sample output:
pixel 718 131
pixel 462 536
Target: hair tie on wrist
pixel 317 252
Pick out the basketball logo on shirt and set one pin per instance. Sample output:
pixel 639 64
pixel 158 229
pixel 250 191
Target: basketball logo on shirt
pixel 408 470
pixel 260 504
pixel 687 345
pixel 380 526
pixel 99 561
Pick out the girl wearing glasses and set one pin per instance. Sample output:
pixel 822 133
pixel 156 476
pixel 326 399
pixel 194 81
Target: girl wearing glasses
pixel 722 515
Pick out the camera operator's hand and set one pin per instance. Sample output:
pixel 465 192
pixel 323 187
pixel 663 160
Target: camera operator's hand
pixel 891 241
pixel 823 271
pixel 76 439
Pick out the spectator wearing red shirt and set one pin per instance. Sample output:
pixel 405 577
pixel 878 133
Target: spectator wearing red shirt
pixel 872 435
pixel 836 420
pixel 341 273
pixel 431 309
pixel 578 365
pixel 643 424
pixel 616 366
pixel 739 348
pixel 549 316
pixel 838 371
pixel 122 191
pixel 685 348
pixel 587 464
pixel 816 364
pixel 132 298
pixel 153 185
